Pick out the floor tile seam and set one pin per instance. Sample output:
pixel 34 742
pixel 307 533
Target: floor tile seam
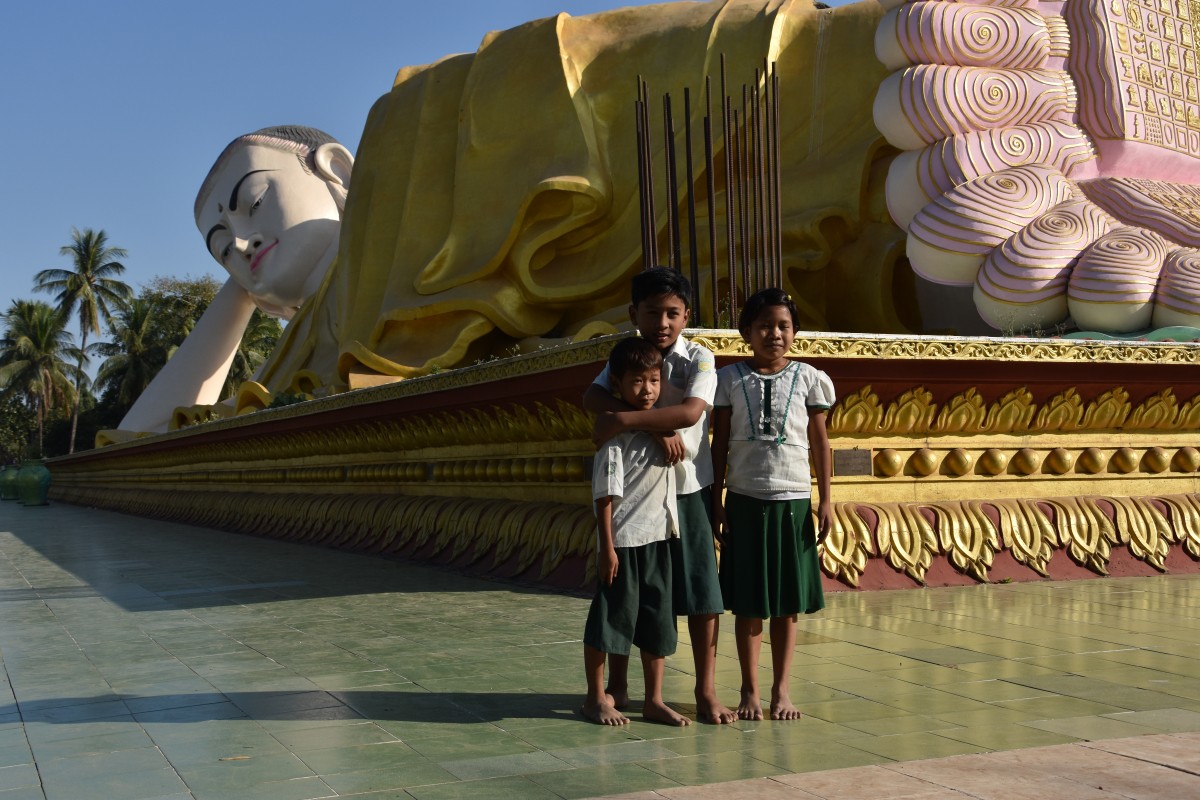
pixel 1141 759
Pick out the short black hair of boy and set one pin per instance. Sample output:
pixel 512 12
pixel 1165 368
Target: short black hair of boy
pixel 634 354
pixel 766 298
pixel 657 281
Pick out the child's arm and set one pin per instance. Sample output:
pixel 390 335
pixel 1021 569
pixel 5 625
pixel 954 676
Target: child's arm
pixel 818 443
pixel 606 407
pixel 720 455
pixel 653 420
pixel 606 558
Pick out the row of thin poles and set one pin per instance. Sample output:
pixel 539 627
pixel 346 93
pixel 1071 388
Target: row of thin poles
pixel 748 164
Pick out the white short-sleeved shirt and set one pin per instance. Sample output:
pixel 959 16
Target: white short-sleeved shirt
pixel 632 470
pixel 689 370
pixel 768 427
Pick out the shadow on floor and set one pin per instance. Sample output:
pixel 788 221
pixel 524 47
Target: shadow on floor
pixel 387 706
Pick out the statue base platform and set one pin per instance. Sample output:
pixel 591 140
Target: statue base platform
pixel 956 460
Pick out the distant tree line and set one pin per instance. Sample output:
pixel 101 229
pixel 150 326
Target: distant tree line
pixel 48 403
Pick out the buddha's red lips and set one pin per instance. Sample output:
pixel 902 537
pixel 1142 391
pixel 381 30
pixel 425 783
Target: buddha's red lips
pixel 259 257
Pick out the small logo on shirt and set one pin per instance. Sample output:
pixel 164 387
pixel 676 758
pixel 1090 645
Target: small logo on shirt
pixel 705 366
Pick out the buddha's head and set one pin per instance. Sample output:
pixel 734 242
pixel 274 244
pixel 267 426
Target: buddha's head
pixel 270 211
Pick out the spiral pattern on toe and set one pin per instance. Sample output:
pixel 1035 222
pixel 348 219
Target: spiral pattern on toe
pixel 999 163
pixel 1178 298
pixel 937 101
pixel 965 35
pixel 1112 287
pixel 1035 264
pixel 980 214
pixel 1057 144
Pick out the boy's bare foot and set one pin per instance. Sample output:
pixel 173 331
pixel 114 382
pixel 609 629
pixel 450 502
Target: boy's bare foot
pixel 782 708
pixel 658 711
pixel 750 707
pixel 618 697
pixel 603 713
pixel 709 709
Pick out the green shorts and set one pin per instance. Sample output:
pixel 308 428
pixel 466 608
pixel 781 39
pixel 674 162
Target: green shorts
pixel 636 608
pixel 769 562
pixel 697 589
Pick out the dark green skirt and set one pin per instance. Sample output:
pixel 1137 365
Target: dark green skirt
pixel 769 565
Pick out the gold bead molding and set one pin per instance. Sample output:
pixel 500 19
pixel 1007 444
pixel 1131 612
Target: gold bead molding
pixel 925 462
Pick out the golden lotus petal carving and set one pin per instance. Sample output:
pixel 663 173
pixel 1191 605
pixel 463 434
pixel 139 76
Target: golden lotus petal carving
pixel 1085 531
pixel 1107 411
pixel 911 412
pixel 847 548
pixel 905 539
pixel 859 412
pixel 965 413
pixel 1013 412
pixel 1064 412
pixel 1147 527
pixel 1027 532
pixel 1156 413
pixel 967 536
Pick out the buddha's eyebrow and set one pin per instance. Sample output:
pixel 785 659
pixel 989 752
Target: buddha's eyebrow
pixel 208 238
pixel 233 196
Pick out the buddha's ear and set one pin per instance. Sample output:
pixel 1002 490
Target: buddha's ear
pixel 333 163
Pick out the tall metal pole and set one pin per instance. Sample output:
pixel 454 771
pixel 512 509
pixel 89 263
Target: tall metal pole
pixel 710 192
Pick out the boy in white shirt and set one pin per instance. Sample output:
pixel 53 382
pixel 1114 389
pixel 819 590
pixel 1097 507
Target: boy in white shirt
pixel 634 489
pixel 660 308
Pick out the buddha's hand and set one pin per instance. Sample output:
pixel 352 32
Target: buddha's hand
pixel 1050 161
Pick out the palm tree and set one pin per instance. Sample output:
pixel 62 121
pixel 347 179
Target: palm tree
pixel 90 289
pixel 262 333
pixel 133 356
pixel 33 357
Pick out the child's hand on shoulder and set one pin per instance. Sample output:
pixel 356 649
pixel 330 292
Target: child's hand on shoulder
pixel 672 445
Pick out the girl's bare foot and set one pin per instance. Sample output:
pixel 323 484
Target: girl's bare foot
pixel 658 711
pixel 603 713
pixel 618 697
pixel 782 708
pixel 709 709
pixel 750 707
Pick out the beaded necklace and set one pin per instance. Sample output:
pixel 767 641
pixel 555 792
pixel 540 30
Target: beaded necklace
pixel 743 373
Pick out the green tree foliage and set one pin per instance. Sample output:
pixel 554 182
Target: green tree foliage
pixel 178 303
pixel 262 332
pixel 16 426
pixel 90 290
pixel 134 354
pixel 36 355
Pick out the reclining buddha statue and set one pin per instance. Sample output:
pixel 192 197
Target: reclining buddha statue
pixel 1015 155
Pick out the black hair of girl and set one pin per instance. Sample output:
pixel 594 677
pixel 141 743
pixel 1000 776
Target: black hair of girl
pixel 633 355
pixel 766 298
pixel 657 281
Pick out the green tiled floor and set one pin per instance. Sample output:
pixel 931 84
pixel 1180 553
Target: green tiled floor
pixel 151 660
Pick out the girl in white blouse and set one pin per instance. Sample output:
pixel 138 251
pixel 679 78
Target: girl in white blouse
pixel 769 417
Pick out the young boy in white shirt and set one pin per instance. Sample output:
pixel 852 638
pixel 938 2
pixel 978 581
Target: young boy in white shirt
pixel 634 489
pixel 660 308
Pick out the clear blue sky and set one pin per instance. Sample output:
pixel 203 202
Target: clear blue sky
pixel 114 111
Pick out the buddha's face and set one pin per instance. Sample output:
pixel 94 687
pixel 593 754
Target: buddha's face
pixel 272 225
